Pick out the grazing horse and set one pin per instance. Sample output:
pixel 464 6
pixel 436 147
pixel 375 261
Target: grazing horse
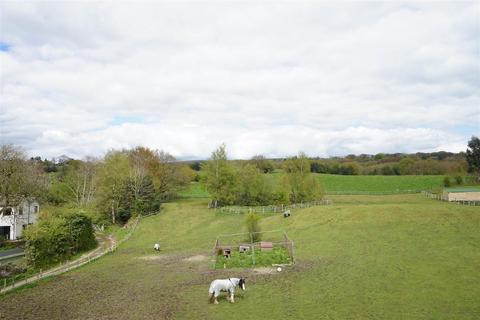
pixel 227 285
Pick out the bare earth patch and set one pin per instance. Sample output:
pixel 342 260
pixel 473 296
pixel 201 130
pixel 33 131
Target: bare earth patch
pixel 265 270
pixel 154 257
pixel 196 258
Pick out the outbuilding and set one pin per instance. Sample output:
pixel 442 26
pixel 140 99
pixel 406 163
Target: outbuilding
pixel 461 194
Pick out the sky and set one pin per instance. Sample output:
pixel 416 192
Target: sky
pixel 271 78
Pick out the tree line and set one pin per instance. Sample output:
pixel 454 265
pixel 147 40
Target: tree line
pixel 434 163
pixel 244 183
pixel 78 193
pixel 120 184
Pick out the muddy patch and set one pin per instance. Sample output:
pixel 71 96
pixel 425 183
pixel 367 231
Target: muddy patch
pixel 265 270
pixel 196 258
pixel 155 257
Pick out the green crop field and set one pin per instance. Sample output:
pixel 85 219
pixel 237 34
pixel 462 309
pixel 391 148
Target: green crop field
pixel 364 257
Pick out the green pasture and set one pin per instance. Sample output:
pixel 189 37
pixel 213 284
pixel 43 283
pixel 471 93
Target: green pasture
pixel 334 184
pixel 340 184
pixel 364 257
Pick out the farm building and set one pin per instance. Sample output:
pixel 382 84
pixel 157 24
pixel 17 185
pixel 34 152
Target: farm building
pixel 13 220
pixel 461 194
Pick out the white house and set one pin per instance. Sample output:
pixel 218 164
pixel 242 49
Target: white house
pixel 13 220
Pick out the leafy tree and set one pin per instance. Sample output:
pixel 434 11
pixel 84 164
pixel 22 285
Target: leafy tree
pixel 263 164
pixel 57 238
pixel 406 165
pixel 252 221
pixel 458 179
pixel 298 182
pixel 196 166
pixel 473 155
pixel 253 187
pixel 20 178
pixel 220 177
pixel 141 200
pixel 113 174
pixel 447 182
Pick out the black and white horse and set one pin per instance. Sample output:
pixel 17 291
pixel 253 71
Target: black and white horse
pixel 227 285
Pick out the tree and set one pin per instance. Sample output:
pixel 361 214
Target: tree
pixel 58 237
pixel 80 179
pixel 113 174
pixel 252 222
pixel 161 168
pixel 253 187
pixel 263 164
pixel 141 199
pixel 473 155
pixel 220 177
pixel 19 178
pixel 298 182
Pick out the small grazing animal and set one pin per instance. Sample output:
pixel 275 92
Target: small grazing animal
pixel 227 285
pixel 156 247
pixel 286 214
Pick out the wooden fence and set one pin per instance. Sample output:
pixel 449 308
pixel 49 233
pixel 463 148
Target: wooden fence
pixel 441 197
pixel 70 265
pixel 282 240
pixel 274 208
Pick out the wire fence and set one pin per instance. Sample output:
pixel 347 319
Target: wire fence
pixel 272 208
pixel 243 242
pixel 70 265
pixel 443 197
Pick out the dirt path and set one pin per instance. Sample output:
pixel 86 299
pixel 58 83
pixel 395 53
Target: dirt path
pixel 106 244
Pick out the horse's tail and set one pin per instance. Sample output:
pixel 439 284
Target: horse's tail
pixel 211 298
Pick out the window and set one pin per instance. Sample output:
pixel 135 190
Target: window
pixel 20 210
pixel 35 209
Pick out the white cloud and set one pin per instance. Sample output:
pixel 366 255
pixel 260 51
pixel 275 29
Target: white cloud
pixel 275 79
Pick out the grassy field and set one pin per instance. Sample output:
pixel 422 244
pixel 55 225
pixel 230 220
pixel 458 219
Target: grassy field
pixel 378 184
pixel 365 257
pixel 338 184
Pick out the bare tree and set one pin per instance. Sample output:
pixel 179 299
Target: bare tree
pixel 80 179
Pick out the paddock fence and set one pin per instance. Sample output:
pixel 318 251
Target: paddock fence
pixel 270 209
pixel 87 258
pixel 442 197
pixel 237 241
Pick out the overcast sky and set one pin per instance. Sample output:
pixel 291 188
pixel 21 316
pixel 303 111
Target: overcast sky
pixel 274 79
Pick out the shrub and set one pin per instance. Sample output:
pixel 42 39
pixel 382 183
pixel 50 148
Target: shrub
pixel 57 238
pixel 446 182
pixel 459 180
pixel 253 227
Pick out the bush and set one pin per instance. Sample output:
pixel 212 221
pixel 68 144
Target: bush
pixel 446 182
pixel 57 238
pixel 253 227
pixel 459 180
